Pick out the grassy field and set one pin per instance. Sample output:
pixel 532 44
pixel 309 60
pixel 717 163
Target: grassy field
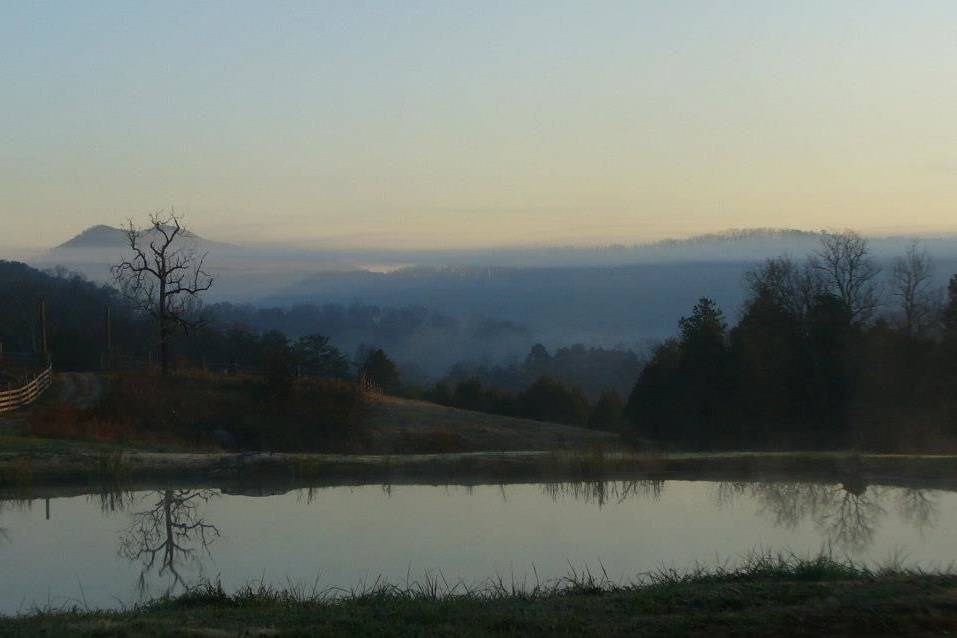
pixel 402 425
pixel 765 596
pixel 387 425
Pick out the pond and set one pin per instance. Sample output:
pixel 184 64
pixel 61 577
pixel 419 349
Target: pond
pixel 113 549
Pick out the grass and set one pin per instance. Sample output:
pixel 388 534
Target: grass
pixel 396 425
pixel 765 595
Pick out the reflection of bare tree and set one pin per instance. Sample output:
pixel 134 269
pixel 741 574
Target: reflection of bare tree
pixel 849 518
pixel 918 507
pixel 165 536
pixel 113 500
pixel 15 504
pixel 791 503
pixel 727 491
pixel 847 514
pixel 603 492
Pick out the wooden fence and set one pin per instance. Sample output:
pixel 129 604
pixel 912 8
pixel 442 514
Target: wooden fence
pixel 27 393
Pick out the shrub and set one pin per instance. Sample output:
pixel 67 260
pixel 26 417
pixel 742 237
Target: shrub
pixel 205 409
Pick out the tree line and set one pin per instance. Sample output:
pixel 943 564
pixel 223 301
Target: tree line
pixel 823 356
pixel 91 327
pixel 543 387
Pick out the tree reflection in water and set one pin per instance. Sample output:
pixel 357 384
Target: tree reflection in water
pixel 167 535
pixel 14 504
pixel 112 501
pixel 919 507
pixel 602 492
pixel 847 515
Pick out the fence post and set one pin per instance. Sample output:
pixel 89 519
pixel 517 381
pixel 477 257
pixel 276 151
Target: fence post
pixel 31 386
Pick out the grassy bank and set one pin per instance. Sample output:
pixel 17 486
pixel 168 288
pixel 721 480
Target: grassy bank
pixel 765 596
pixel 131 468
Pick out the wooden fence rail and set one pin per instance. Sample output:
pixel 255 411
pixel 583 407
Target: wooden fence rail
pixel 28 393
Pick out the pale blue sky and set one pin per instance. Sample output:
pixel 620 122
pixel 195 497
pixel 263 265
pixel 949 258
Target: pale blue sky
pixel 463 124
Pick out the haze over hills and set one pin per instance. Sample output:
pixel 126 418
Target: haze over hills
pixel 242 273
pixel 733 245
pixel 604 296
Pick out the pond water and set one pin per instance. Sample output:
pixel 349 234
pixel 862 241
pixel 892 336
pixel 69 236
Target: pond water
pixel 110 550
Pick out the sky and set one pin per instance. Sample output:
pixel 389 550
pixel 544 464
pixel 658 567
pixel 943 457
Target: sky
pixel 468 124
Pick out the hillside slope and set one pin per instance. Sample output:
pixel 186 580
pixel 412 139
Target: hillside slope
pixel 402 425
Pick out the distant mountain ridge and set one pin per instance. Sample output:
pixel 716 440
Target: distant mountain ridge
pixel 99 236
pixel 764 241
pixel 742 234
pixel 103 236
pixel 532 285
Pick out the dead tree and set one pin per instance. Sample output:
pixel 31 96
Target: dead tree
pixel 163 277
pixel 849 273
pixel 910 283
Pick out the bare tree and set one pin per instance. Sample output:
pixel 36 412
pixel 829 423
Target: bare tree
pixel 849 273
pixel 791 285
pixel 164 536
pixel 163 276
pixel 910 284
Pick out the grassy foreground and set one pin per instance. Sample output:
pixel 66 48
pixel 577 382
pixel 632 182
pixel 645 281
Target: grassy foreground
pixel 766 596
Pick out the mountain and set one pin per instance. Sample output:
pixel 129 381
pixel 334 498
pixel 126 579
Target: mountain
pixel 109 237
pixel 602 295
pixel 93 251
pixel 95 237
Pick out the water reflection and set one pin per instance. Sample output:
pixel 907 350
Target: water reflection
pixel 846 515
pixel 601 493
pixel 920 507
pixel 15 505
pixel 114 501
pixel 166 535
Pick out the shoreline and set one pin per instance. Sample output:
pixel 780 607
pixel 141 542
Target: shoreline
pixel 97 469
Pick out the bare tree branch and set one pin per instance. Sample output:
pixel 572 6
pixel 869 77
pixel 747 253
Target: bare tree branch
pixel 162 277
pixel 910 284
pixel 849 272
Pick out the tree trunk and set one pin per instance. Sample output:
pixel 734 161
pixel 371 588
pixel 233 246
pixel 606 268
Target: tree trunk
pixel 164 347
pixel 164 328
